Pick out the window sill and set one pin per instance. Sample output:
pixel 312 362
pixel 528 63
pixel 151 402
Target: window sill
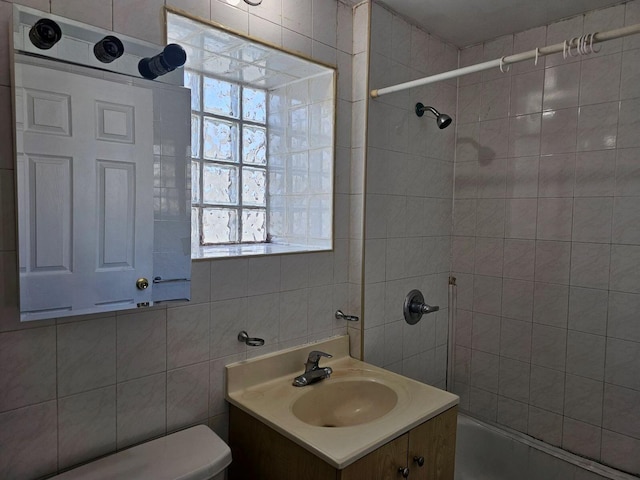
pixel 253 250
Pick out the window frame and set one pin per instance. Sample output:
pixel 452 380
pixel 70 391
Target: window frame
pixel 204 38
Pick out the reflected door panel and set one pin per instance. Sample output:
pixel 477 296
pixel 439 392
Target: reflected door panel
pixel 85 201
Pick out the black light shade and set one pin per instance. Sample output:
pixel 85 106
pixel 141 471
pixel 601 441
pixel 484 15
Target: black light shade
pixel 108 49
pixel 172 57
pixel 45 34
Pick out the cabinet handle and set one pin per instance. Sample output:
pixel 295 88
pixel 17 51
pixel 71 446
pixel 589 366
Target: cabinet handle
pixel 404 471
pixel 419 461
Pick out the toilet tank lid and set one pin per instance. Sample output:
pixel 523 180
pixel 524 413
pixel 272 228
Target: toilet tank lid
pixel 192 454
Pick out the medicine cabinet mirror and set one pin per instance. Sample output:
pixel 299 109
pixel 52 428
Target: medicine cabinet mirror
pixel 102 171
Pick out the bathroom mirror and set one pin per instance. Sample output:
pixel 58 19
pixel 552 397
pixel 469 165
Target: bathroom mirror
pixel 102 171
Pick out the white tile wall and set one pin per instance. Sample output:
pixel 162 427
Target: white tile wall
pixel 532 299
pixel 408 198
pixel 555 277
pixel 120 379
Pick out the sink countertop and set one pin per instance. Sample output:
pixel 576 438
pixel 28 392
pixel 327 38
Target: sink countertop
pixel 262 388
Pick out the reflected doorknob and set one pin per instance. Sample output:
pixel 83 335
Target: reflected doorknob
pixel 142 283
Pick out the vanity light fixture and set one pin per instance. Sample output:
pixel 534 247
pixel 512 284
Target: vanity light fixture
pixel 172 57
pixel 45 33
pixel 108 49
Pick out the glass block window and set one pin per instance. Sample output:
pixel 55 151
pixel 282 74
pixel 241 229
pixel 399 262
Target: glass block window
pixel 229 161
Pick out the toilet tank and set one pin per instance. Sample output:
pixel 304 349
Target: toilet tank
pixel 192 454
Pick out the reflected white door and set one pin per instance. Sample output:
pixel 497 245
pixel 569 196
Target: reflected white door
pixel 85 206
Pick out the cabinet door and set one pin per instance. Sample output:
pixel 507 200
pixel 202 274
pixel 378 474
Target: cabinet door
pixel 381 464
pixel 261 453
pixel 435 442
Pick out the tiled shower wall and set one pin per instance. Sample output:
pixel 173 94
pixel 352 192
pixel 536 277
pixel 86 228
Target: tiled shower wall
pixel 546 245
pixel 76 389
pixel 408 199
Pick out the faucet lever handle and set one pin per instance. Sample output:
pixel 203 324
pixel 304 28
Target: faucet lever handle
pixel 315 355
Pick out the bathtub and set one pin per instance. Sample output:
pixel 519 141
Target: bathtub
pixel 485 452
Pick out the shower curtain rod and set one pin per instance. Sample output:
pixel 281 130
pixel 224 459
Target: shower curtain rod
pixel 516 58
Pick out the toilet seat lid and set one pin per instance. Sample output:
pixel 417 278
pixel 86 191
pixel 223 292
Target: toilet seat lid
pixel 196 453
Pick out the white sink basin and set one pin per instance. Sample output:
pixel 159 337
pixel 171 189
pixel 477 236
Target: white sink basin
pixel 339 419
pixel 345 403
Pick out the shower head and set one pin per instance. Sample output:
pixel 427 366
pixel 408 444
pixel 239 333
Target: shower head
pixel 442 119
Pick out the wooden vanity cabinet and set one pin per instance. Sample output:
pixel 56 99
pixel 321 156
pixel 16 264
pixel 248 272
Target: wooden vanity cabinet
pixel 435 441
pixel 259 452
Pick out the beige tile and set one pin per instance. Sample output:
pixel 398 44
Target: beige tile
pixel 557 175
pixel 621 363
pixel 547 389
pixel 485 335
pixel 524 135
pixel 514 379
pixel 588 310
pixel 526 93
pixel 625 264
pixel 22 431
pixel 187 396
pixel 592 219
pixel 517 299
pixel 550 304
pixel 598 126
pixel 619 451
pixel 141 409
pixel 545 425
pixel 583 399
pixel 142 19
pixel 141 344
pixel 600 79
pixel 621 319
pixel 595 173
pixel 621 410
pixel 628 124
pixel 228 318
pixel 554 218
pixel 548 346
pixel 27 367
pixel 86 355
pixel 561 86
pixel 559 131
pixel 581 438
pixel 188 335
pixel 585 355
pixel 487 294
pixel 86 426
pixel 93 12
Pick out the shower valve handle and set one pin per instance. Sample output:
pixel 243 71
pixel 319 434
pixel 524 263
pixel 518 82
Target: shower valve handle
pixel 415 306
pixel 423 308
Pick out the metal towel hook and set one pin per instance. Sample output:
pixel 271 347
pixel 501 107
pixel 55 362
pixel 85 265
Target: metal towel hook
pixel 244 337
pixel 348 318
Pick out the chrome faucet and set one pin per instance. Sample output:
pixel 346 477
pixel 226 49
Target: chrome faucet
pixel 312 372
